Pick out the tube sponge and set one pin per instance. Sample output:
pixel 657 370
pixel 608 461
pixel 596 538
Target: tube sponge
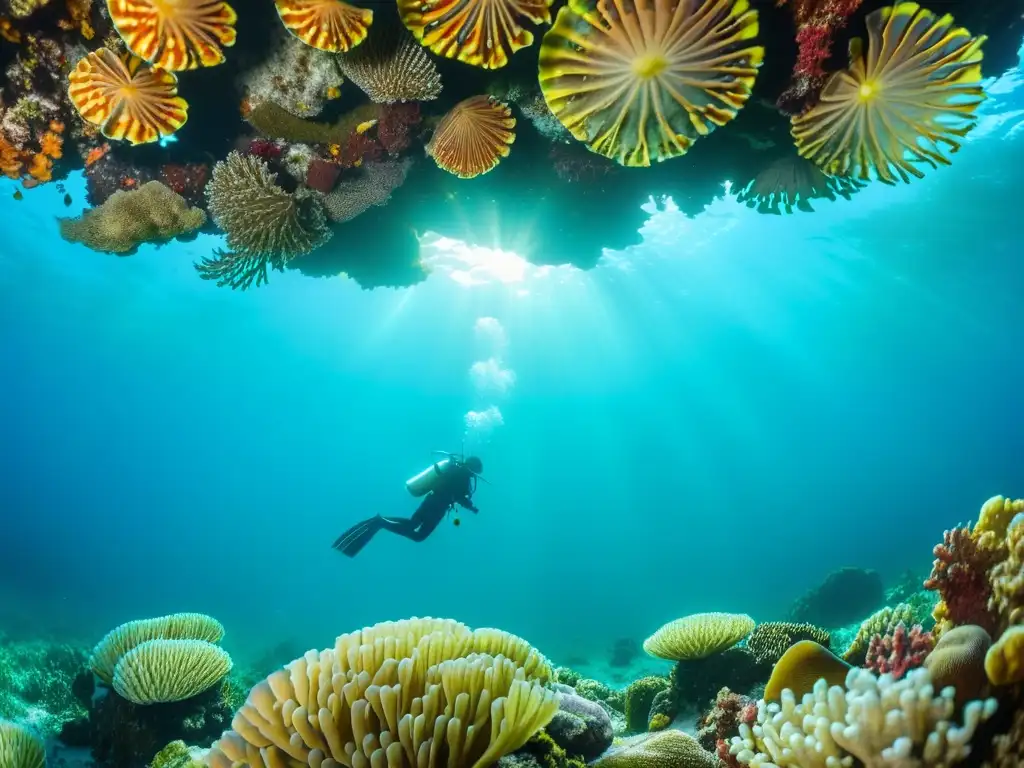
pixel 419 692
pixel 19 748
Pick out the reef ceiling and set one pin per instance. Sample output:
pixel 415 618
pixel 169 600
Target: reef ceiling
pixel 326 137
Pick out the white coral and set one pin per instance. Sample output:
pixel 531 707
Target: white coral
pixel 877 720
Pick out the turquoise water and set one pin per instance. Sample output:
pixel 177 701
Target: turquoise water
pixel 713 420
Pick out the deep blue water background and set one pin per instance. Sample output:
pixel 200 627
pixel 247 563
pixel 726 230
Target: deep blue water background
pixel 711 421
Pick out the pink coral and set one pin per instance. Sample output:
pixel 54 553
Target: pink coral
pixel 265 149
pixel 358 149
pixel 899 651
pixel 960 575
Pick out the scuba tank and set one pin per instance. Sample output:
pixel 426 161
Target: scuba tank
pixel 426 481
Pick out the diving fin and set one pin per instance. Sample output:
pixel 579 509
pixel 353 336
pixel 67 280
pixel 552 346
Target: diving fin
pixel 352 541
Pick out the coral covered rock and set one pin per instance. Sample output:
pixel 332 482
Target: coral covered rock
pixel 150 214
pixel 665 749
pixel 639 697
pixel 581 727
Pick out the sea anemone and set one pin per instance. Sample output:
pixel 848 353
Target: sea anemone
pixel 126 98
pixel 483 33
pixel 911 93
pixel 185 34
pixel 473 137
pixel 328 25
pixel 640 80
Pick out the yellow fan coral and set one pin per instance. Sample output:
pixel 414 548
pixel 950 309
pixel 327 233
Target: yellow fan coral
pixel 640 80
pixel 19 748
pixel 183 34
pixel 159 671
pixel 126 98
pixel 473 137
pixel 407 693
pixel 913 92
pixel 483 33
pixel 177 626
pixel 329 25
pixel 698 635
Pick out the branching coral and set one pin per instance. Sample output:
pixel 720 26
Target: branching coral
pixel 875 720
pixel 418 692
pixel 698 635
pixel 239 271
pixel 150 214
pixel 897 652
pixel 882 622
pixel 640 80
pixel 960 575
pixel 259 218
pixel 770 640
pixel 391 67
pixel 371 185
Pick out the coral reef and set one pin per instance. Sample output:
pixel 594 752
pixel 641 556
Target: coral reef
pixel 150 214
pixel 716 727
pixel 36 683
pixel 882 622
pixel 295 77
pixel 845 596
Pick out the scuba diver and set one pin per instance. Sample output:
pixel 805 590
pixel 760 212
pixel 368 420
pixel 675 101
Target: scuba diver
pixel 445 483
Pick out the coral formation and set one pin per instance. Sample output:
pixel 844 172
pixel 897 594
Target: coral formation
pixel 698 635
pixel 397 690
pixel 580 726
pixel 872 719
pixel 639 697
pixel 801 666
pixel 715 728
pixel 770 640
pixel 474 135
pixel 19 748
pixel 391 67
pixel 899 651
pixel 958 660
pixel 150 214
pixel 372 184
pixel 882 622
pixel 160 671
pixel 1004 661
pixel 664 749
pixel 261 219
pixel 295 77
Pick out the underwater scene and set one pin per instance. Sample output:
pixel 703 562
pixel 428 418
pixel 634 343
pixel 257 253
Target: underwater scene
pixel 511 383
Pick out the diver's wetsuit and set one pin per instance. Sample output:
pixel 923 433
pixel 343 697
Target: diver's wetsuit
pixel 455 487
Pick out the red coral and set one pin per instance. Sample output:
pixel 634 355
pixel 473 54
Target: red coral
pixel 357 149
pixel 322 175
pixel 188 180
pixel 729 710
pixel 394 124
pixel 817 23
pixel 960 575
pixel 264 148
pixel 897 652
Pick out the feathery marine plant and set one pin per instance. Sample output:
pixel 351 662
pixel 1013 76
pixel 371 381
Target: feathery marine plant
pixel 261 219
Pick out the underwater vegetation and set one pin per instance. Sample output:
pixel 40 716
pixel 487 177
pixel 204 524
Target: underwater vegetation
pixel 922 683
pixel 326 122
